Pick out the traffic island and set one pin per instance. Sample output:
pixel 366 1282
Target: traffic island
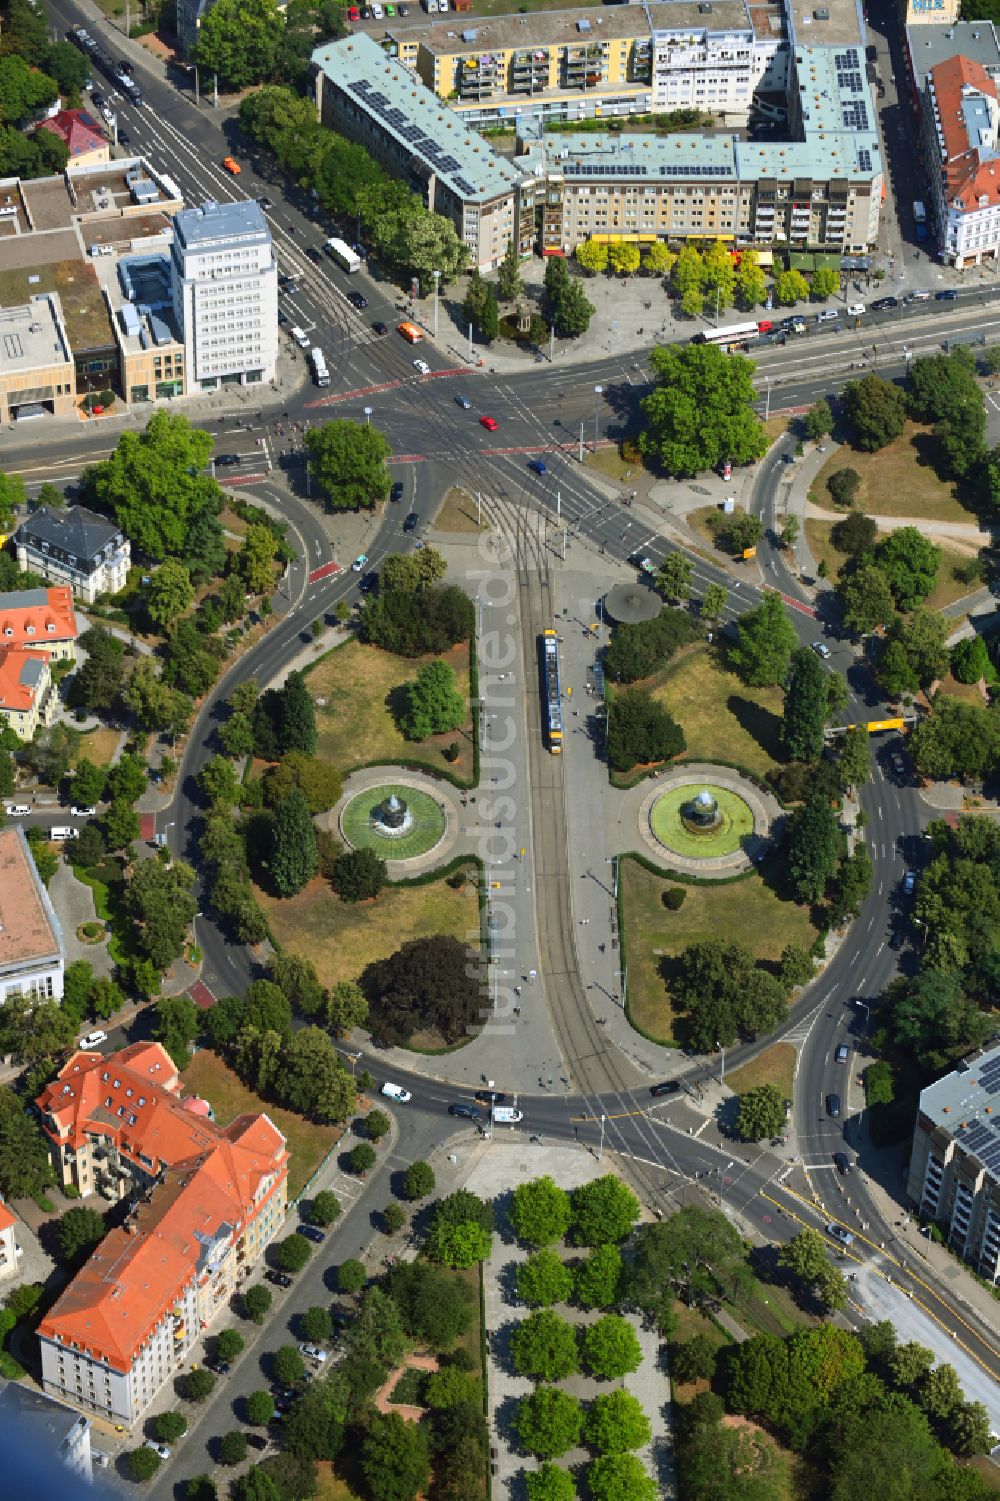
pixel 706 821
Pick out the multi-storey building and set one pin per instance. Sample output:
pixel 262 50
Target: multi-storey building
pixel 31 943
pixel 28 699
pixel 39 620
pixel 10 1251
pixel 75 547
pixel 961 121
pixel 225 295
pixel 205 1203
pixel 47 1426
pixel 954 1175
pixel 37 372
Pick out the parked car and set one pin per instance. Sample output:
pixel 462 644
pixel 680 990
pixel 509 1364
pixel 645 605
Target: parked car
pixel 842 1163
pixel 359 562
pixel 821 649
pixel 490 1097
pixel 280 1279
pixel 828 315
pixel 313 1352
pixel 833 1106
pixel 232 166
pixel 883 304
pixel 397 491
pixel 17 810
pixel 670 1086
pixel 466 1112
pixel 898 939
pixel 397 1092
pixel 856 310
pixel 311 1233
pixel 220 1367
pixel 83 812
pixel 410 524
pixel 157 1448
pixel 93 1040
pixel 909 882
pixel 846 1237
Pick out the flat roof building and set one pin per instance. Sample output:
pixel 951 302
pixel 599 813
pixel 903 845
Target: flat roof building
pixel 31 943
pixel 224 278
pixel 37 371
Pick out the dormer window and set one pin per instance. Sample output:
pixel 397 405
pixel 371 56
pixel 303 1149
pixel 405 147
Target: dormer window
pixel 50 627
pixel 29 630
pixel 8 630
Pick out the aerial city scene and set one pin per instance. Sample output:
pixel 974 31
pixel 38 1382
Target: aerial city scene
pixel 500 750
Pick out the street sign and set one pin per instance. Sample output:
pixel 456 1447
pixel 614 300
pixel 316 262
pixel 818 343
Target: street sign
pixel 874 725
pixel 749 552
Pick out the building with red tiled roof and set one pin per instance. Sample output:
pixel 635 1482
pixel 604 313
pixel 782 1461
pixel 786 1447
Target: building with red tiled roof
pixel 27 697
pixel 961 129
pixel 41 619
pixel 82 136
pixel 9 1248
pixel 206 1202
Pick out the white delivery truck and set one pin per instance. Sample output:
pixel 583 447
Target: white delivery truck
pixel 346 258
pixel 321 373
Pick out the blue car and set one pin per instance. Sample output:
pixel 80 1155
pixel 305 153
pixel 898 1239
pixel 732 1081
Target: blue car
pixel 537 466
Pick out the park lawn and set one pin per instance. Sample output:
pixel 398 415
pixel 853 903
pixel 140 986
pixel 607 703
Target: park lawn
pixel 821 546
pixel 357 727
pixel 746 911
pixel 722 719
pixel 457 513
pixel 968 692
pixel 206 1075
pixel 342 938
pixel 333 1484
pixel 98 745
pixel 609 462
pixel 775 1066
pixel 896 481
pixel 948 588
pixel 769 1309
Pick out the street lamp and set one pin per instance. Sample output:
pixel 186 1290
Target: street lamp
pixel 867 1010
pixel 437 282
pixel 722 1066
pixel 598 393
pixel 600 1149
pixel 767 401
pixel 368 416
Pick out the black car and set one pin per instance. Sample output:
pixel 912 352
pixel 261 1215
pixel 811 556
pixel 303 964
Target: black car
pixel 358 300
pixel 842 1163
pixel 883 304
pixel 381 329
pixel 288 284
pixel 283 1395
pixel 410 524
pixel 467 1112
pixel 490 1097
pixel 833 1106
pixel 265 202
pixel 224 460
pixel 280 1279
pixel 949 296
pixel 220 1367
pixel 670 1086
pixel 311 1233
pixel 257 1441
pixel 898 939
pixel 97 99
pixel 396 493
pixel 315 255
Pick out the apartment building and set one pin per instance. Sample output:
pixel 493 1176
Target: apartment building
pixel 363 94
pixel 39 620
pixel 225 294
pixel 205 1203
pixel 954 1175
pixel 48 1427
pixel 31 942
pixel 10 1251
pixel 28 700
pixel 961 125
pixel 76 547
pixel 37 371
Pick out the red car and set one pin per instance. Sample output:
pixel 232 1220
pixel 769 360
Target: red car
pixel 490 424
pixel 353 14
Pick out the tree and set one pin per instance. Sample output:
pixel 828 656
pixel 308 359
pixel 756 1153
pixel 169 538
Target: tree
pixel 284 720
pixel 694 1360
pixel 88 783
pixel 790 287
pixel 640 649
pixel 624 257
pixel 293 859
pixel 458 1246
pixel 692 1248
pixel 359 875
pixel 23 90
pixel 910 562
pixel 854 758
pixel 489 318
pixel 254 563
pixel 922 636
pixel 289 1367
pixel 969 1430
pixel 597 1279
pixel 548 1422
pixel 610 1348
pixel 762 1113
pixel 78 1231
pixel 240 42
pixel 348 462
pixel 805 695
pixel 866 595
pixel 714 601
pixel 790 531
pixel 177 1025
pixel 620 1477
pixel 543 1346
pixel 219 782
pixel 957 739
pixel 346 1007
pixel 143 1463
pixel 158 898
pixel 818 420
pixel 324 1208
pixel 674 577
pixel 316 1324
pixel 293 1253
pixel 878 1449
pixel 202 1488
pixel 169 592
pixel 25 1166
pixel 548 1482
pixel 155 485
pixel 509 282
pixel 120 824
pixel 433 1306
pixel 616 1423
pixel 169 1426
pixel 825 283
pixel 604 1211
pixel 433 703
pixel 198 1384
pixel 544 1278
pixel 804 1256
pixel 418 1181
pixel 751 284
pixel 814 843
pixel 701 410
pixel 540 1212
pixel 970 661
pixel 430 984
pixel 351 1276
pixel 640 731
pixel 856 533
pixel 229 1344
pixel 233 1446
pixel 934 1020
pixel 395 1458
pixel 877 410
pixel 738 532
pixel 766 641
pixel 362 1158
pixel 256 1303
pixel 592 256
pixel 376 1125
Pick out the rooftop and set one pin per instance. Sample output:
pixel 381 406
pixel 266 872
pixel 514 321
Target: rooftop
pixel 32 336
pixel 966 1103
pixel 196 228
pixel 47 1423
pixel 29 929
pixel 21 672
pixel 78 129
pixel 967 119
pixel 83 307
pixel 826 23
pixel 30 617
pixel 415 118
pixel 930 45
pixel 76 532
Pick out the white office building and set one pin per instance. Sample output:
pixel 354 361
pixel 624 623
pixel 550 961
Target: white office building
pixel 225 294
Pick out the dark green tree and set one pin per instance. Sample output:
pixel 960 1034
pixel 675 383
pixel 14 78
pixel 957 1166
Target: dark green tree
pixel 395 1458
pixel 701 411
pixel 761 1113
pixel 359 875
pixel 597 1279
pixel 766 641
pixel 640 731
pixel 233 1447
pixel 256 1303
pixel 877 411
pixel 348 462
pixel 814 843
pixel 78 1231
pixel 910 562
pixel 293 857
pixel 805 706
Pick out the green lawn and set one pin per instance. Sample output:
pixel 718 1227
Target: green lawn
pixel 360 686
pixel 425 830
pixel 948 588
pixel 775 1066
pixel 341 938
pixel 721 717
pixel 746 911
pixel 206 1075
pixel 896 481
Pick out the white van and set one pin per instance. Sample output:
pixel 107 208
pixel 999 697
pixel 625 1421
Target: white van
pixel 397 1092
pixel 64 831
pixel 301 339
pixel 17 810
pixel 375 10
pixel 856 310
pixel 504 1115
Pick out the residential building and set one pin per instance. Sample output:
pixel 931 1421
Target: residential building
pixel 366 96
pixel 932 12
pixel 31 943
pixel 40 620
pixel 961 121
pixel 28 699
pixel 927 45
pixel 10 1251
pixel 76 547
pixel 47 1426
pixel 37 372
pixel 81 134
pixel 225 295
pixel 206 1202
pixel 150 340
pixel 954 1175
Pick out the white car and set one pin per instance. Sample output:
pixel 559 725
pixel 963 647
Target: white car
pixel 821 649
pixel 846 1237
pixel 17 810
pixel 856 310
pixel 83 812
pixel 359 562
pixel 157 1448
pixel 422 367
pixel 828 316
pixel 313 1352
pixel 93 1040
pixel 397 1092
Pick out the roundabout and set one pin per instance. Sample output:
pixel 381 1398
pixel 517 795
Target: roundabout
pixel 399 822
pixel 711 821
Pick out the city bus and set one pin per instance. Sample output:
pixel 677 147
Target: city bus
pixel 736 336
pixel 411 333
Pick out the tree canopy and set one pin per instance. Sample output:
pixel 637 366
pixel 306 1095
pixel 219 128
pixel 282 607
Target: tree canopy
pixel 430 984
pixel 701 412
pixel 348 461
pixel 766 641
pixel 155 485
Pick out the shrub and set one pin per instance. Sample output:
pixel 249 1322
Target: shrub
pixel 143 1463
pixel 673 898
pixel 843 485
